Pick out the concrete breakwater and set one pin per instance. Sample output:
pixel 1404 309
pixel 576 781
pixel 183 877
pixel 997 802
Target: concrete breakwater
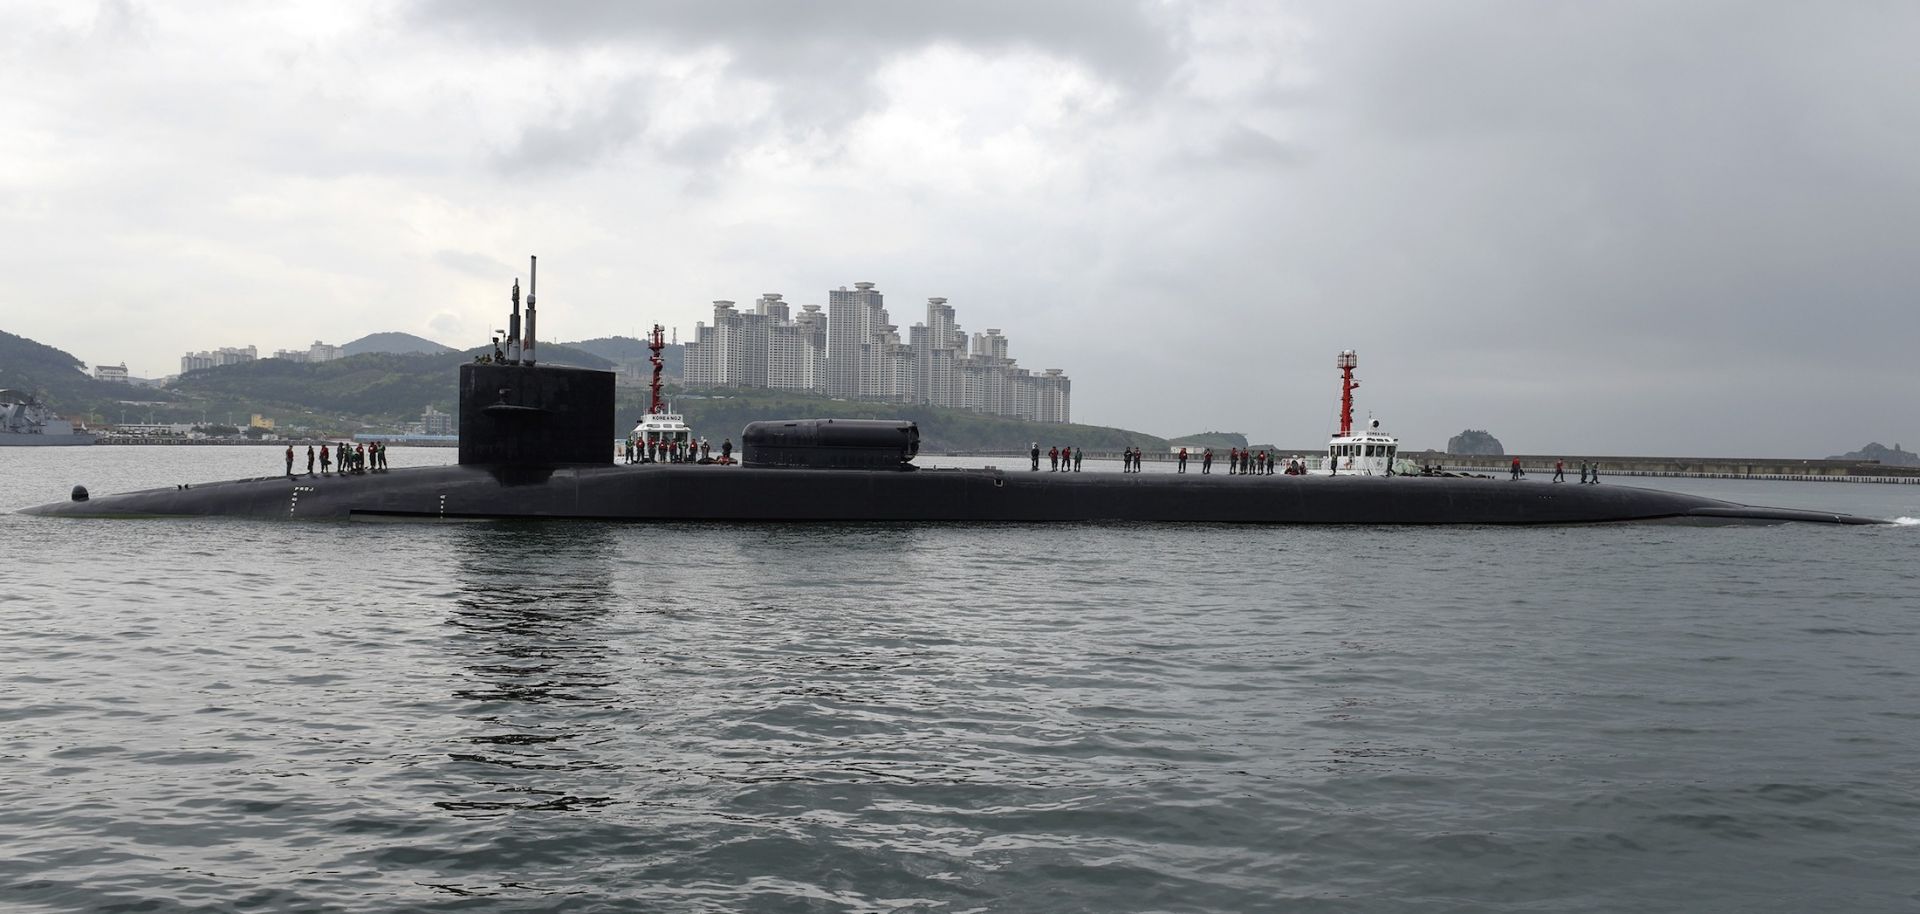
pixel 1798 470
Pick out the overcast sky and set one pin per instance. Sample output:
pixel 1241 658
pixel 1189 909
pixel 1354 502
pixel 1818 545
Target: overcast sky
pixel 1586 227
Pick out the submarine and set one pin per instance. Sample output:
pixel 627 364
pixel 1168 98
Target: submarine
pixel 535 445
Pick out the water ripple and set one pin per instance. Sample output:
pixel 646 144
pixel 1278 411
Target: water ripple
pixel 890 717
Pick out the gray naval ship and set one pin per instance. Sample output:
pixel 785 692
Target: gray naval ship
pixel 26 422
pixel 535 443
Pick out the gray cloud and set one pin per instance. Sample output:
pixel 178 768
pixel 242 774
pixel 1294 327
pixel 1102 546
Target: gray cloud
pixel 578 138
pixel 480 266
pixel 1122 40
pixel 822 59
pixel 1631 226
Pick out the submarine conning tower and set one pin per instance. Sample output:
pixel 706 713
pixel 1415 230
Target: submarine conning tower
pixel 831 444
pixel 516 413
pixel 535 415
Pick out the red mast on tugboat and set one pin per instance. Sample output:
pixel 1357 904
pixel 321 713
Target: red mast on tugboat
pixel 1347 384
pixel 656 343
pixel 660 435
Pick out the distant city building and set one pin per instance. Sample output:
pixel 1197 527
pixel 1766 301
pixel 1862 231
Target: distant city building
pixel 227 355
pixel 855 318
pixel 261 422
pixel 854 352
pixel 318 352
pixel 764 348
pixel 435 422
pixel 114 373
pixel 797 351
pixel 154 429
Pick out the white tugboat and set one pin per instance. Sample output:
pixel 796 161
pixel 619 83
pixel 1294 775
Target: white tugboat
pixel 661 435
pixel 1369 452
pixel 26 422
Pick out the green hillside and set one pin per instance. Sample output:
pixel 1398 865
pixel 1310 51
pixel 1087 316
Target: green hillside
pixel 723 413
pixel 389 390
pixel 1215 440
pixel 380 389
pixel 62 380
pixel 395 343
pixel 626 350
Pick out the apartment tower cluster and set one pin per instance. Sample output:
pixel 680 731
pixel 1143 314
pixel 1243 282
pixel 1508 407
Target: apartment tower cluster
pixel 239 355
pixel 854 352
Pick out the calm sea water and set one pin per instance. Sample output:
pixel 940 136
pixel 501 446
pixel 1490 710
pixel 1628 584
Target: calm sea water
pixel 227 715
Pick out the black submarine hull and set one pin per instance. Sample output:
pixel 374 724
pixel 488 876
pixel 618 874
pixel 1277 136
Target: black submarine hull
pixel 691 492
pixel 533 445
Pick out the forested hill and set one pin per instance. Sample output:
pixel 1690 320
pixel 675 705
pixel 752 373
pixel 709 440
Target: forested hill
pixel 390 389
pixel 62 379
pixel 376 386
pixel 626 350
pixel 395 343
pixel 724 413
pixel 1219 441
pixel 1893 457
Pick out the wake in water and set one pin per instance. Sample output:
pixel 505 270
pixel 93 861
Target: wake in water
pixel 1907 521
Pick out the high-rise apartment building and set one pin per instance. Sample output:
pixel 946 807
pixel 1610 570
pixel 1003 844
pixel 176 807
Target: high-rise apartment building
pixel 226 355
pixel 853 318
pixel 852 351
pixel 797 351
pixel 1054 395
pixel 761 348
pixel 318 352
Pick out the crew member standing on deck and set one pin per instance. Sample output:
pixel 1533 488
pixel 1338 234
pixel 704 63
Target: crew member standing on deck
pixel 1583 472
pixel 1183 460
pixel 1033 451
pixel 1206 461
pixel 1559 471
pixel 1053 459
pixel 325 462
pixel 1077 454
pixel 1516 468
pixel 289 460
pixel 309 460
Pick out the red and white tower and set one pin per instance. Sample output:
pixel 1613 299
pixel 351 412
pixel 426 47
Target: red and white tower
pixel 1347 384
pixel 656 343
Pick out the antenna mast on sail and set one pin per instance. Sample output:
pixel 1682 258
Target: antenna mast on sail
pixel 533 283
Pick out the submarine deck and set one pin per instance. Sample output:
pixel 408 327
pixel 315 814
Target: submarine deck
pixel 684 492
